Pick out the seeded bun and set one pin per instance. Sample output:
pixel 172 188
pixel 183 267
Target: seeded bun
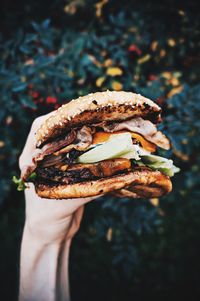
pixel 143 182
pixel 96 107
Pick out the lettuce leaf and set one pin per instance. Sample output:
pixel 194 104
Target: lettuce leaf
pixel 164 165
pixel 115 147
pixel 20 184
pixel 159 163
pixel 120 146
pixel 135 153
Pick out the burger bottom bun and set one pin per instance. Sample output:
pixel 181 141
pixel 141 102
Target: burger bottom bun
pixel 141 182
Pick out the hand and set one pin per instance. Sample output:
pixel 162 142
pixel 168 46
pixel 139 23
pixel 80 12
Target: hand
pixel 49 227
pixel 49 220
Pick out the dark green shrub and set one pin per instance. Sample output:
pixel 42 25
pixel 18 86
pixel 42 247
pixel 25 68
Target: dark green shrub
pixel 127 247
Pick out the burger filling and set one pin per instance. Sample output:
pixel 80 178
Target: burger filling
pixel 101 150
pixel 83 172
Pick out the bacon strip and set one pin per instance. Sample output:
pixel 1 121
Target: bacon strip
pixel 83 141
pixel 138 125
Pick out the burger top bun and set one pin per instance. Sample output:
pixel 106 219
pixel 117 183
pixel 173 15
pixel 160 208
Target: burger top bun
pixel 94 108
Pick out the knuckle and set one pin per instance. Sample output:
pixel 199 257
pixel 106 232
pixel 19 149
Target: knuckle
pixel 35 123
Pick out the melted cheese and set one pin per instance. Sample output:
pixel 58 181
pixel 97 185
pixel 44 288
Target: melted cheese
pixel 100 137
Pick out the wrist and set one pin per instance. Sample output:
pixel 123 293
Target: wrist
pixel 45 234
pixel 43 268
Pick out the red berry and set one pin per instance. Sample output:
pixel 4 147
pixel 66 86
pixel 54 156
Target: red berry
pixel 40 100
pixel 34 94
pixel 152 77
pixel 160 100
pixel 56 106
pixel 51 100
pixel 134 48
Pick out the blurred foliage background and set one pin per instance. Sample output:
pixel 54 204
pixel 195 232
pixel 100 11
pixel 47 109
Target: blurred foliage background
pixel 53 51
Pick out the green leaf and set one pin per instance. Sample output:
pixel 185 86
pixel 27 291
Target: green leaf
pixel 19 87
pixel 25 49
pixel 35 26
pixel 32 176
pixel 159 163
pixel 27 102
pixel 19 183
pixel 46 23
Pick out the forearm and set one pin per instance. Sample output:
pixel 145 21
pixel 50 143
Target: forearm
pixel 43 269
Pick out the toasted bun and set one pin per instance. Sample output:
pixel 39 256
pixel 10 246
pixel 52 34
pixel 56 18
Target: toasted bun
pixel 95 108
pixel 143 182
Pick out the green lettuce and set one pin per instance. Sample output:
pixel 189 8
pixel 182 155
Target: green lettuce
pixel 115 147
pixel 120 146
pixel 164 165
pixel 21 185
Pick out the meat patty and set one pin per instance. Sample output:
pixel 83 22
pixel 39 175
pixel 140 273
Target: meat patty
pixel 82 172
pixel 143 177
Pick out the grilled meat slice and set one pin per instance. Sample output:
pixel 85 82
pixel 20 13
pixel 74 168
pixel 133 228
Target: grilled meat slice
pixel 104 168
pixel 82 172
pixel 143 177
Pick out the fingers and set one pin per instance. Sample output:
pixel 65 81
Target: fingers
pixel 27 150
pixel 61 207
pixel 25 158
pixel 75 204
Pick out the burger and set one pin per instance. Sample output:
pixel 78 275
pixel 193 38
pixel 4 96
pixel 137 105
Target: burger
pixel 102 143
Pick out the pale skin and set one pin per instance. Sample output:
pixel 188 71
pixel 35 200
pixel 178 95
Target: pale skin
pixel 49 228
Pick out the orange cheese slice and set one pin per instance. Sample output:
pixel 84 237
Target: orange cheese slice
pixel 100 137
pixel 149 146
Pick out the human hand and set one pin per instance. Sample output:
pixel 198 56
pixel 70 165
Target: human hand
pixel 49 220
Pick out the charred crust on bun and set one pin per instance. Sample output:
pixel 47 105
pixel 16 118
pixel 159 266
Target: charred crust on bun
pixel 109 105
